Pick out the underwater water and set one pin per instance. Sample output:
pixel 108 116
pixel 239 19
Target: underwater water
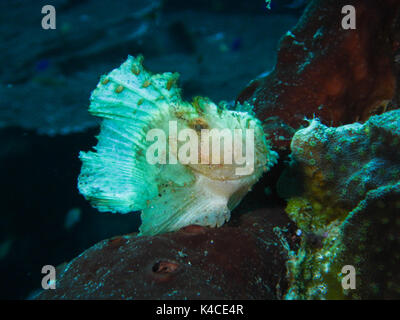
pixel 83 82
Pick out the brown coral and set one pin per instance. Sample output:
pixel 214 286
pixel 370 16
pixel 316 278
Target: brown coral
pixel 338 75
pixel 245 261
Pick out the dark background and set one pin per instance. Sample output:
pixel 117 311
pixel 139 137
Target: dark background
pixel 45 83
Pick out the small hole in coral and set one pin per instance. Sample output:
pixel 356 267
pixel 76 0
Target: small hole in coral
pixel 165 267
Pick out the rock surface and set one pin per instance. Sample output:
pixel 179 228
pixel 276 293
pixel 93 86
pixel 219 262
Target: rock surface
pixel 348 210
pixel 340 76
pixel 243 260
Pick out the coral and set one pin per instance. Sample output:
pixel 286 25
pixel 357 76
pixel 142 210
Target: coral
pixel 129 172
pixel 341 76
pixel 348 211
pixel 241 261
